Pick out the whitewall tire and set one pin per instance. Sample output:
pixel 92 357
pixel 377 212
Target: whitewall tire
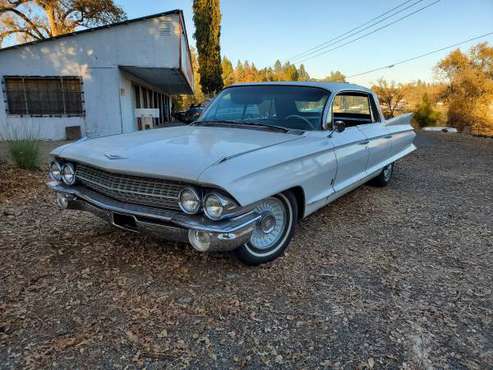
pixel 273 232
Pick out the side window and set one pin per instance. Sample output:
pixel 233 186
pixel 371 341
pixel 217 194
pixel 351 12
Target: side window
pixel 353 109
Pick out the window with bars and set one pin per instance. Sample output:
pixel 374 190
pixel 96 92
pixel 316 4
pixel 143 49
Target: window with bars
pixel 44 95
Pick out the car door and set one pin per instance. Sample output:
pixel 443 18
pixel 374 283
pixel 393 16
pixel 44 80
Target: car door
pixel 379 137
pixel 350 145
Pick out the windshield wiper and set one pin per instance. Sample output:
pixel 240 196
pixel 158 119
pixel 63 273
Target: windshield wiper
pixel 262 124
pixel 217 122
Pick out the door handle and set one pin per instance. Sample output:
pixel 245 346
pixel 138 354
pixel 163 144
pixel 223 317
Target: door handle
pixel 364 142
pixel 388 137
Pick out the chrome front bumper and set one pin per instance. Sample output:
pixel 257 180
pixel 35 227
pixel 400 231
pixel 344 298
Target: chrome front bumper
pixel 224 235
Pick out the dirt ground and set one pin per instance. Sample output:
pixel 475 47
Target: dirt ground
pixel 399 277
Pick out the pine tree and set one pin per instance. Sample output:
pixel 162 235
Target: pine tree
pixel 207 19
pixel 303 74
pixel 228 72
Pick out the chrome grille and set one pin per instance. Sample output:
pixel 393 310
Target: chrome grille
pixel 130 189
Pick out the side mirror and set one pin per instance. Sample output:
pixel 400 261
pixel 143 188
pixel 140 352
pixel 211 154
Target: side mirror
pixel 339 126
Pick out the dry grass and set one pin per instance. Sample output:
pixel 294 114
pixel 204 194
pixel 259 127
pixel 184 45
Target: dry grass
pixel 398 277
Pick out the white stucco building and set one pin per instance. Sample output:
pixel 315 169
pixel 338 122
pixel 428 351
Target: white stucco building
pixel 95 79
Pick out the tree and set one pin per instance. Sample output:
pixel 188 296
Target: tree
pixel 425 115
pixel 336 76
pixel 290 72
pixel 469 91
pixel 244 71
pixel 41 19
pixel 182 102
pixel 303 74
pixel 391 96
pixel 415 91
pixel 239 72
pixel 228 72
pixel 277 68
pixel 207 19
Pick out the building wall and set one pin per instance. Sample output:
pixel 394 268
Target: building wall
pixel 95 57
pixel 44 128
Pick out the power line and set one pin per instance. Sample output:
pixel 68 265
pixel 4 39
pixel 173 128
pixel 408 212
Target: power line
pixel 421 55
pixel 369 33
pixel 297 56
pixel 360 29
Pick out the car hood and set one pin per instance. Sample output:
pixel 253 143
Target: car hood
pixel 180 153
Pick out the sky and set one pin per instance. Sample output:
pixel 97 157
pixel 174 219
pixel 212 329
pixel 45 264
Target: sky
pixel 262 31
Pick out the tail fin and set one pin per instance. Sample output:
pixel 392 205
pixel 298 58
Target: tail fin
pixel 404 119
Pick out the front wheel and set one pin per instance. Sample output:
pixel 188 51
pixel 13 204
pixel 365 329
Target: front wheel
pixel 273 232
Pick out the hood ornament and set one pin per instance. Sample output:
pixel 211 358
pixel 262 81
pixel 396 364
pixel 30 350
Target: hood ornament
pixel 114 156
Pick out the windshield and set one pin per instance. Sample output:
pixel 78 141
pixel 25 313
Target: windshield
pixel 290 107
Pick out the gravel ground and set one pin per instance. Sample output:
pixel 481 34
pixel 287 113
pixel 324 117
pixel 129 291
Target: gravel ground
pixel 399 277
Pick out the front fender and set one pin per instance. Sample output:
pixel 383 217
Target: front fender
pixel 58 150
pixel 309 163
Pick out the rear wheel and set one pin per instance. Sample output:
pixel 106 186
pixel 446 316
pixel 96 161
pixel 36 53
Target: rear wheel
pixel 273 232
pixel 384 177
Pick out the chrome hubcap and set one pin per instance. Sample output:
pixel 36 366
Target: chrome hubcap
pixel 268 223
pixel 271 227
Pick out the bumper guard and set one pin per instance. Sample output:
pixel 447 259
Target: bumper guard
pixel 224 235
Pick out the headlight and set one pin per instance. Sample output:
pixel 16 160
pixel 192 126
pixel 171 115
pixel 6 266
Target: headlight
pixel 189 201
pixel 68 174
pixel 55 171
pixel 216 205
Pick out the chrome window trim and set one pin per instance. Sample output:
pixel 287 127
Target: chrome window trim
pixel 329 117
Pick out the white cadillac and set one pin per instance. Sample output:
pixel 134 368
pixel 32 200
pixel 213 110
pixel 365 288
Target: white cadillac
pixel 261 157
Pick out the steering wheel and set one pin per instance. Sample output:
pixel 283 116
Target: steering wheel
pixel 308 125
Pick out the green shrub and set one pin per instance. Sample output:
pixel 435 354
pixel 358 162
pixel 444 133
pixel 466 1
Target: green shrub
pixel 24 153
pixel 425 115
pixel 24 149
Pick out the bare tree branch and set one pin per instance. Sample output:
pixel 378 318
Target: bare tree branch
pixel 26 19
pixel 40 19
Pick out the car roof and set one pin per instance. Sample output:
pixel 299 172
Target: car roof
pixel 333 87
